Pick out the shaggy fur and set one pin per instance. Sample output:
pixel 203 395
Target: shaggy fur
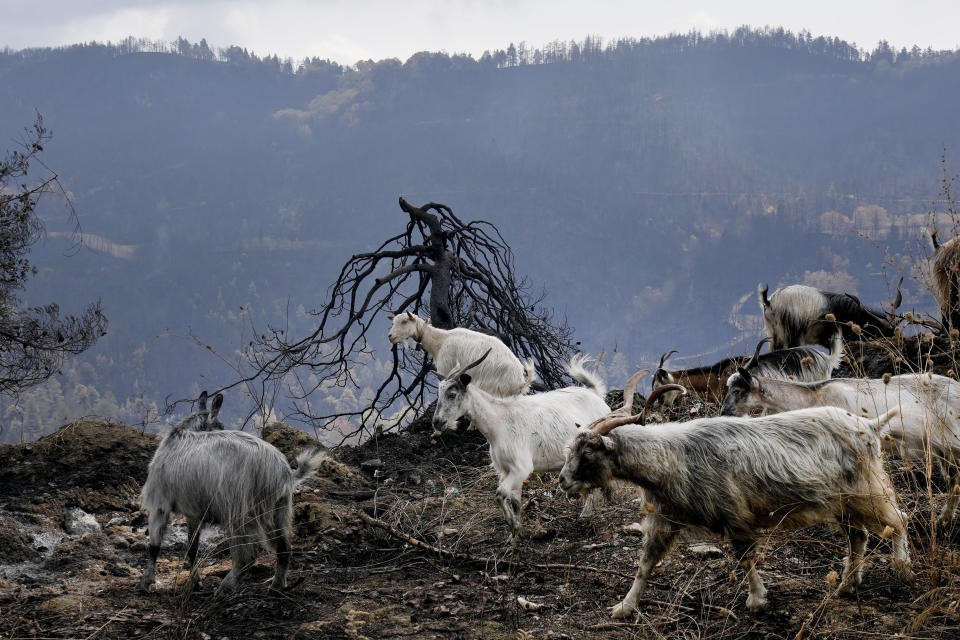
pixel 929 419
pixel 501 374
pixel 228 478
pixel 733 476
pixel 526 433
pixel 806 363
pixel 946 277
pixel 794 316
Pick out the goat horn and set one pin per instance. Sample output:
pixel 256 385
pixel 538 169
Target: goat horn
pixel 664 357
pixel 898 300
pixel 936 241
pixel 462 370
pixel 752 362
pixel 622 415
pixel 657 392
pixel 608 423
pixel 631 388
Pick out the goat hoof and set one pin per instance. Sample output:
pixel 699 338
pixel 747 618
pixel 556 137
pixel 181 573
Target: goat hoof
pixel 905 573
pixel 847 589
pixel 622 610
pixel 756 603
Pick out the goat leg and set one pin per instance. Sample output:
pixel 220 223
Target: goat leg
pixel 659 536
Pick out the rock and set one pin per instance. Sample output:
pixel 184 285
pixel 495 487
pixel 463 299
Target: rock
pixel 288 439
pixel 633 529
pixel 705 550
pixel 73 605
pixel 78 522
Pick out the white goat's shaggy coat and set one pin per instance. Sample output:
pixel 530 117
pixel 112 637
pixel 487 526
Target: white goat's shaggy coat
pixel 501 373
pixel 946 277
pixel 526 433
pixel 734 476
pixel 796 314
pixel 928 423
pixel 228 478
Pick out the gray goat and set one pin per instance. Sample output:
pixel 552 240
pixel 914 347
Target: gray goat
pixel 929 421
pixel 734 476
pixel 228 478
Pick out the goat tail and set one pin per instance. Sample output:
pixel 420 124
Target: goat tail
pixel 880 424
pixel 588 379
pixel 307 464
pixel 530 371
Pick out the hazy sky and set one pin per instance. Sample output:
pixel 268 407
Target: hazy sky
pixel 351 30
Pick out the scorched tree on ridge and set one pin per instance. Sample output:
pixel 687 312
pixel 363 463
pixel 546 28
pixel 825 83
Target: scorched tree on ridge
pixel 460 274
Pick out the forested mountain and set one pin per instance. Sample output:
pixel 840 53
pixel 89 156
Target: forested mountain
pixel 648 185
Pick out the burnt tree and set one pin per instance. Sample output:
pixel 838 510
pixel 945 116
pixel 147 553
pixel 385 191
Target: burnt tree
pixel 457 273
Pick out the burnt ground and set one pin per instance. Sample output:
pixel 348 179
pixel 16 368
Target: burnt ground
pixel 353 579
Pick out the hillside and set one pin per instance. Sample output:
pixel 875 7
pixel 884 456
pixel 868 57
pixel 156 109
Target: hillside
pixel 220 192
pixel 356 575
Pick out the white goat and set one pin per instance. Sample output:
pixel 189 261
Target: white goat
pixel 797 315
pixel 929 421
pixel 501 374
pixel 734 476
pixel 228 478
pixel 526 433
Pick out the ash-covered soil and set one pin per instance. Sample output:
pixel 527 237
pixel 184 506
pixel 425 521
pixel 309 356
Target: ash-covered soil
pixel 352 577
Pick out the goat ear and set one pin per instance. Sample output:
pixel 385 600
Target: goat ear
pixel 608 443
pixel 202 402
pixel 217 403
pixel 465 379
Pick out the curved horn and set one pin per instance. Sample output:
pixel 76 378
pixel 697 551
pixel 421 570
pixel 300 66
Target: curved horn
pixel 462 370
pixel 664 357
pixel 898 300
pixel 622 415
pixel 752 362
pixel 936 241
pixel 608 424
pixel 656 393
pixel 631 388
